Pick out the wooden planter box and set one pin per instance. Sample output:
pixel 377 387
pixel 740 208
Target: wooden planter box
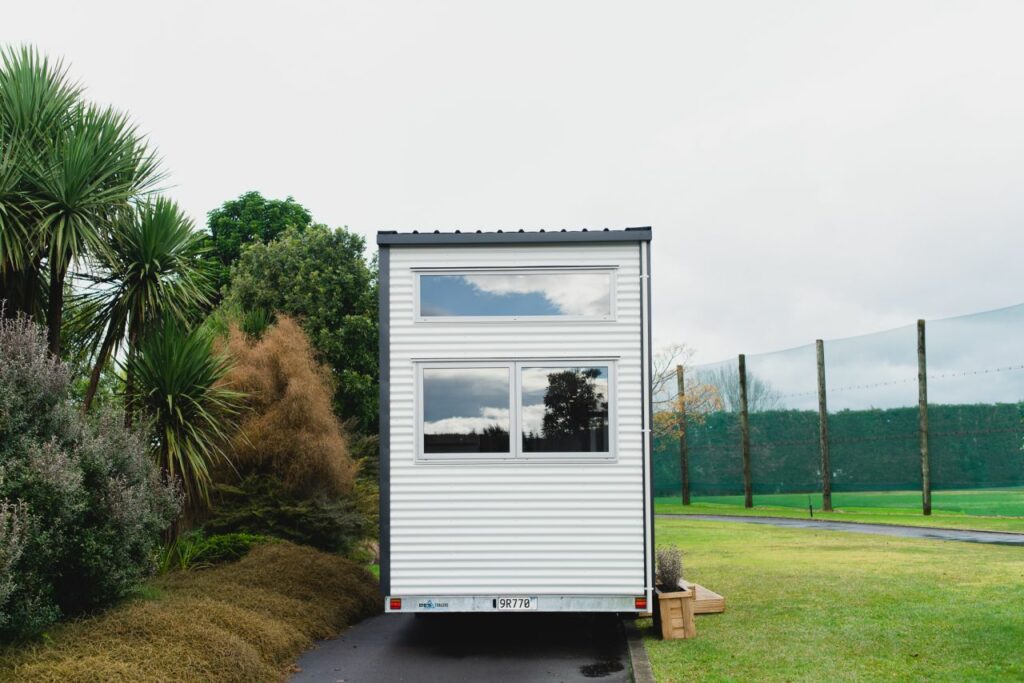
pixel 676 612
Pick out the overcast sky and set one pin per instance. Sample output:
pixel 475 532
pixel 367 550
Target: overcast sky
pixel 811 169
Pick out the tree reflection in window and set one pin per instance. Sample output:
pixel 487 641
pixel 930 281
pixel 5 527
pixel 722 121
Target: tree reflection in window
pixel 466 410
pixel 565 410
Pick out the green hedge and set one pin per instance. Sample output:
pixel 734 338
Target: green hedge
pixel 972 446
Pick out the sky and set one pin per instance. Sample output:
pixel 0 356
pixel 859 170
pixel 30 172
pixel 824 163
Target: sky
pixel 970 359
pixel 810 170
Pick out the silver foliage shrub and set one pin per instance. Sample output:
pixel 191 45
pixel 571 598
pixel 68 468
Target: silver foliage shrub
pixel 13 523
pixel 81 504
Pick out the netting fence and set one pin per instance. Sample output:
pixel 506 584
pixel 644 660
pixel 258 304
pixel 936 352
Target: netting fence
pixel 974 383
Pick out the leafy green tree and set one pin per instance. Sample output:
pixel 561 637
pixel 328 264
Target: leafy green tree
pixel 249 219
pixel 71 169
pixel 151 270
pixel 321 277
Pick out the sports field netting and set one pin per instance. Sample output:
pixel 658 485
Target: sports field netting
pixel 975 390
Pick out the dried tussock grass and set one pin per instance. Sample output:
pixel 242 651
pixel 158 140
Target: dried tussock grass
pixel 245 621
pixel 291 431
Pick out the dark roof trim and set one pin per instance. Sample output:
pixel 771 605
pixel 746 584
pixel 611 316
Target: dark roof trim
pixel 518 237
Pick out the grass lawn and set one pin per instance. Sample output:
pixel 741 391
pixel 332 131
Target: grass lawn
pixel 244 621
pixel 821 605
pixel 985 509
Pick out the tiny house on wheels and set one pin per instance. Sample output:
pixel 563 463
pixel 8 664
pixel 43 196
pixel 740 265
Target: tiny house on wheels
pixel 515 418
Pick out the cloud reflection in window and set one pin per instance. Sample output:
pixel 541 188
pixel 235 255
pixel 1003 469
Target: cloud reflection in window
pixel 508 294
pixel 466 410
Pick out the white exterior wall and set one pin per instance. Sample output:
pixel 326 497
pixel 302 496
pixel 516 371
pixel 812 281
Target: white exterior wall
pixel 526 527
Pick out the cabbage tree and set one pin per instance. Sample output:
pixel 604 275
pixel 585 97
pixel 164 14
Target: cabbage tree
pixel 68 172
pixel 152 269
pixel 180 387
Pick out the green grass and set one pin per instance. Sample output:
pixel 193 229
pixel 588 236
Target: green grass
pixel 820 605
pixel 984 509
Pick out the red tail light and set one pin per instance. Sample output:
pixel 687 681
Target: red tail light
pixel 396 603
pixel 640 604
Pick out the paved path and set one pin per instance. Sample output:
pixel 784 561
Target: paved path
pixel 993 537
pixel 472 647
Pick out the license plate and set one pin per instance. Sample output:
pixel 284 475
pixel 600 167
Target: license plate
pixel 515 604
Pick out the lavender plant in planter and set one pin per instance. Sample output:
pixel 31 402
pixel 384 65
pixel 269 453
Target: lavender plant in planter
pixel 675 603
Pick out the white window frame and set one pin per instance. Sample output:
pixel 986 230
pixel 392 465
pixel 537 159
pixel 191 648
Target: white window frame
pixel 421 454
pixel 562 455
pixel 610 271
pixel 516 452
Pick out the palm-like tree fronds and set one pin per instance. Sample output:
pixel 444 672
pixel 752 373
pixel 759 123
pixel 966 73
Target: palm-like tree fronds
pixel 15 233
pixel 36 99
pixel 75 168
pixel 82 185
pixel 151 270
pixel 36 96
pixel 179 386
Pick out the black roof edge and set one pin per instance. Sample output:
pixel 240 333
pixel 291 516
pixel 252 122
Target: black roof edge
pixel 437 237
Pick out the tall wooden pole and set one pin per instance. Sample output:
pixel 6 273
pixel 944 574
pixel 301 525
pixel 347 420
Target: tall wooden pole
pixel 826 470
pixel 922 419
pixel 748 488
pixel 684 456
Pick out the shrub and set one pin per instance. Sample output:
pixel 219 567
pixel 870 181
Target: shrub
pixel 669 564
pixel 229 547
pixel 365 451
pixel 182 553
pixel 264 505
pixel 244 621
pixel 82 505
pixel 13 522
pixel 290 432
pixel 367 500
pixel 192 550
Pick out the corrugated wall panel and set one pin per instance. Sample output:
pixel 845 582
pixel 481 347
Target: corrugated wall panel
pixel 522 527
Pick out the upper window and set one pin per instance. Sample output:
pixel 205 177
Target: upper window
pixel 514 409
pixel 516 293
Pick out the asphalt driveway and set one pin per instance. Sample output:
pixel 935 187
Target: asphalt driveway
pixel 472 647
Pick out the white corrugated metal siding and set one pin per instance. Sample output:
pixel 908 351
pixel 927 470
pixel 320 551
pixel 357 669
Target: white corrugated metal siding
pixel 524 527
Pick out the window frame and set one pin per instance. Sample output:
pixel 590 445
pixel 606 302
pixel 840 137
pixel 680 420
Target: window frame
pixel 516 452
pixel 564 455
pixel 610 271
pixel 421 453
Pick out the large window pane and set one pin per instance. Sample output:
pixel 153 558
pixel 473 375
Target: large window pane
pixel 565 410
pixel 508 294
pixel 465 410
